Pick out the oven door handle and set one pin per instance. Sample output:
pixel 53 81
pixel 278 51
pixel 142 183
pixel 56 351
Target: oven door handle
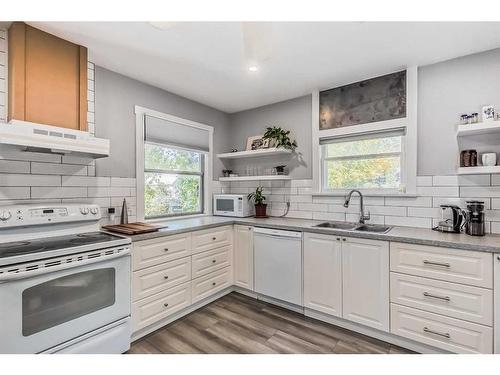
pixel 12 276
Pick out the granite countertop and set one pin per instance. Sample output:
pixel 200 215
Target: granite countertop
pixel 422 236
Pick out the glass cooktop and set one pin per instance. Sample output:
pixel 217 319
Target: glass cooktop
pixel 11 249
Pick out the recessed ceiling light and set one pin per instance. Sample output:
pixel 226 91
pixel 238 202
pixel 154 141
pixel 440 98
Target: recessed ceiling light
pixel 253 68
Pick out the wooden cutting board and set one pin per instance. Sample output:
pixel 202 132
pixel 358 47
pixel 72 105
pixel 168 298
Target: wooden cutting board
pixel 132 228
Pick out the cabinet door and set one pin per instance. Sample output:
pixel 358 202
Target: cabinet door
pixel 323 273
pixel 365 275
pixel 243 256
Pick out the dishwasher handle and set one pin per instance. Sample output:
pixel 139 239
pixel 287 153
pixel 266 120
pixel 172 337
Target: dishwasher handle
pixel 277 232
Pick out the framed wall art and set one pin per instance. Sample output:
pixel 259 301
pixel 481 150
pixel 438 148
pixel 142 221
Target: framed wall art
pixel 372 100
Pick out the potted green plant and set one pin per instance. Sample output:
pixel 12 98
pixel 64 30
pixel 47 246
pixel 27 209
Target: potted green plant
pixel 279 137
pixel 258 198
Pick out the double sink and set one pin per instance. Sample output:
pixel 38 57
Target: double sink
pixel 356 227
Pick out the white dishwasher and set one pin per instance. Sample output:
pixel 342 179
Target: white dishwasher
pixel 278 264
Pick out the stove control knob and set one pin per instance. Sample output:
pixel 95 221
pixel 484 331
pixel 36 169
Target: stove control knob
pixel 84 210
pixel 5 215
pixel 94 210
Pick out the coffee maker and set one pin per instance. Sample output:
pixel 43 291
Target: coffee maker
pixel 474 222
pixel 453 223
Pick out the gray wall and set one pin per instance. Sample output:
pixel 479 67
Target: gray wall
pixel 445 90
pixel 294 115
pixel 116 96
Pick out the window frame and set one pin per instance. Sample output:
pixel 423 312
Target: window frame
pixel 409 145
pixel 384 191
pixel 207 162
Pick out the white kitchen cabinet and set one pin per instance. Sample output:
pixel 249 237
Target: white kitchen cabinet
pixel 243 256
pixel 365 282
pixel 323 273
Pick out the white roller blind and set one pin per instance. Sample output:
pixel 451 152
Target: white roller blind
pixel 171 133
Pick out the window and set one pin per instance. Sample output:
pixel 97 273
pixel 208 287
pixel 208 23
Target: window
pixel 173 164
pixel 173 181
pixel 370 161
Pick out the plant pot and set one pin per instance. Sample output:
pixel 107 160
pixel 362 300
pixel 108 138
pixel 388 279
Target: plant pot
pixel 260 210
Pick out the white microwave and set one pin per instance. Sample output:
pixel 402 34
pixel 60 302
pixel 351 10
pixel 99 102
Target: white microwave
pixel 236 205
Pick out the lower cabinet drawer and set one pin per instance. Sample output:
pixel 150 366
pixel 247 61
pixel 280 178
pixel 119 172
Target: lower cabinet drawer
pixel 213 238
pixel 449 299
pixel 457 266
pixel 155 279
pixel 209 261
pixel 159 306
pixel 439 331
pixel 159 250
pixel 205 286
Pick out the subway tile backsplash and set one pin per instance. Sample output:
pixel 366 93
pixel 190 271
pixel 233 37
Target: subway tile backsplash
pixel 420 211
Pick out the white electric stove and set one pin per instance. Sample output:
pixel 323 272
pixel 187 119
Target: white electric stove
pixel 64 285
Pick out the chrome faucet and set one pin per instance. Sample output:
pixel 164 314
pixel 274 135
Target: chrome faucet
pixel 362 216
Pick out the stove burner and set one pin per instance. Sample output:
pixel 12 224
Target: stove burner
pixel 14 244
pixel 10 249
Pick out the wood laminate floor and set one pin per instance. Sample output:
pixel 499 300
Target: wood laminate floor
pixel 239 324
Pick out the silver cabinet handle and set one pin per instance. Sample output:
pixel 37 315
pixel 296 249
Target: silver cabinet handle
pixel 427 330
pixel 430 263
pixel 446 298
pixel 165 277
pixel 165 304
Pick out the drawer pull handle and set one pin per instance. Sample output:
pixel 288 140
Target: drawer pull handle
pixel 165 304
pixel 344 239
pixel 338 238
pixel 498 257
pixel 214 284
pixel 213 261
pixel 214 238
pixel 165 277
pixel 430 263
pixel 427 330
pixel 447 299
pixel 165 249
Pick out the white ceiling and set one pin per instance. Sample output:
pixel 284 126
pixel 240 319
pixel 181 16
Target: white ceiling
pixel 208 61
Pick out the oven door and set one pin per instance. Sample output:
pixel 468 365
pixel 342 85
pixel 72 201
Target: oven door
pixel 49 306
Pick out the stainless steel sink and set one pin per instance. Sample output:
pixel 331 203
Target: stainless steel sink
pixel 372 228
pixel 337 225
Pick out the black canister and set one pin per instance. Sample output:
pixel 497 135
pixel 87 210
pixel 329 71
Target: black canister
pixel 475 218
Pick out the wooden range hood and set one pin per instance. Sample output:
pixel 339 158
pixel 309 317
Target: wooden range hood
pixel 47 79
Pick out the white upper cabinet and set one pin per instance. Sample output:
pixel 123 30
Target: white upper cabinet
pixel 243 256
pixel 323 273
pixel 365 274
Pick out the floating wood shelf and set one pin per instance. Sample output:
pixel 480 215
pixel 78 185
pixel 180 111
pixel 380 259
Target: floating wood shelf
pixel 254 178
pixel 254 153
pixel 490 127
pixel 479 170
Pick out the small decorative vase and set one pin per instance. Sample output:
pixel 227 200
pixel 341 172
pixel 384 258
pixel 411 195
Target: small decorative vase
pixel 260 210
